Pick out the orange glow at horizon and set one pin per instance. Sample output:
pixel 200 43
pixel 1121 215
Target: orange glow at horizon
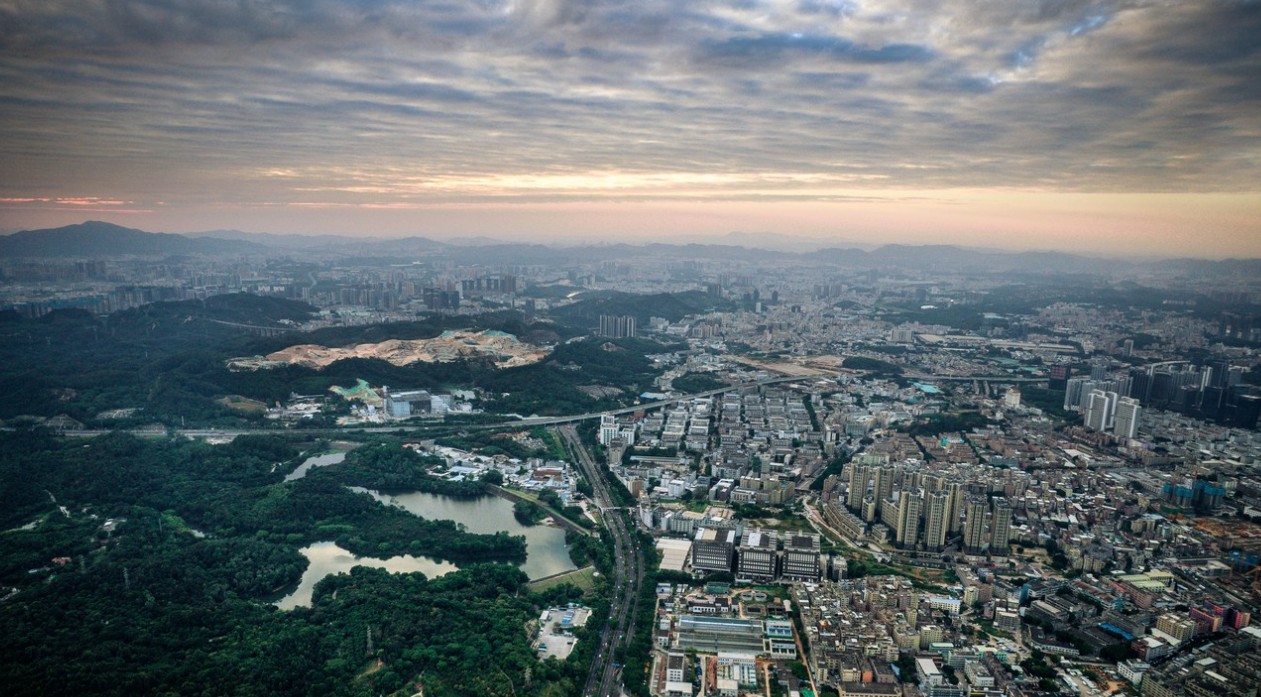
pixel 1210 225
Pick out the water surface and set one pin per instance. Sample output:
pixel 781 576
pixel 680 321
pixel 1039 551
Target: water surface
pixel 314 461
pixel 326 558
pixel 546 553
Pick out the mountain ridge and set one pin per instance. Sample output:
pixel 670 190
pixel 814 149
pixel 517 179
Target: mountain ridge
pixel 102 239
pixel 95 238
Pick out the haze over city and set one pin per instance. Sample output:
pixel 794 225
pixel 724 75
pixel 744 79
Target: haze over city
pixel 630 348
pixel 1112 127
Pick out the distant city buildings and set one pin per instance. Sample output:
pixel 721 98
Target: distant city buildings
pixel 617 326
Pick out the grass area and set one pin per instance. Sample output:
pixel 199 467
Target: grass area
pixel 791 523
pixel 245 404
pixel 921 578
pixel 555 450
pixel 584 578
pixel 987 627
pixel 373 666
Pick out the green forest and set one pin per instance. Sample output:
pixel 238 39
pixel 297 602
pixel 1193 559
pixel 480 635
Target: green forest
pixel 167 361
pixel 226 490
pixel 690 383
pixel 151 563
pixel 390 467
pixel 671 306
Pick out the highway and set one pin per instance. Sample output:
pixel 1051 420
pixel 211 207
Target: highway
pixel 1004 379
pixel 628 573
pixel 420 429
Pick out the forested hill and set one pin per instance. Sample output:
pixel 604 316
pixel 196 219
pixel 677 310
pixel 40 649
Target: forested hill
pixel 95 239
pixel 70 361
pixel 671 306
pixel 242 308
pixel 168 361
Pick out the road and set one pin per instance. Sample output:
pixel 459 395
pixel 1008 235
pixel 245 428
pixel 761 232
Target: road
pixel 969 378
pixel 628 572
pixel 815 518
pixel 422 428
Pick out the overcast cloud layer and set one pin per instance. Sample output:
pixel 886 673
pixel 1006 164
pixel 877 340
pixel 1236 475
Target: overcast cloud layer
pixel 139 105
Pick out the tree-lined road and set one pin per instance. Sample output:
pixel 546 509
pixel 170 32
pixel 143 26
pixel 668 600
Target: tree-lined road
pixel 628 573
pixel 437 426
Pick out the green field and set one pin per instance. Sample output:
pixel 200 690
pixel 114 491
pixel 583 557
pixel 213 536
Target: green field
pixel 584 578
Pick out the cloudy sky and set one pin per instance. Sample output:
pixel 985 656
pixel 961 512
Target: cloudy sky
pixel 1118 126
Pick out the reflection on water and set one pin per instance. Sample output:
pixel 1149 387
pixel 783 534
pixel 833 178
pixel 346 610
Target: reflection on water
pixel 314 461
pixel 546 553
pixel 545 545
pixel 327 558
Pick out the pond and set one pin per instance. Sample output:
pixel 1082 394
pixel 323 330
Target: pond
pixel 546 552
pixel 327 558
pixel 314 461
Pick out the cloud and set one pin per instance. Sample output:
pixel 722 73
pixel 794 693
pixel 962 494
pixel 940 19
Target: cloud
pixel 770 51
pixel 835 8
pixel 191 101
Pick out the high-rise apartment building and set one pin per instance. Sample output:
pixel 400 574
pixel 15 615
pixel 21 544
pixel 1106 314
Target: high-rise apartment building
pixel 909 505
pixel 859 475
pixel 617 326
pixel 935 527
pixel 1000 528
pixel 883 483
pixel 1100 409
pixel 1126 423
pixel 974 526
pixel 953 517
pixel 1059 377
pixel 1011 400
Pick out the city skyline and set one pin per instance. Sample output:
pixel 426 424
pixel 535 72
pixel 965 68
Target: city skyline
pixel 1122 128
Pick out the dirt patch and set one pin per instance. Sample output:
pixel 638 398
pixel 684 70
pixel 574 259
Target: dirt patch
pixel 504 349
pixel 239 403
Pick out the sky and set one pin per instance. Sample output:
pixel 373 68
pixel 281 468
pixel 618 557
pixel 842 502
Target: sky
pixel 1115 127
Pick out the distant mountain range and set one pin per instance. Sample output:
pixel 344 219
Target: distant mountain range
pixel 268 239
pixel 99 239
pixel 778 242
pixel 95 239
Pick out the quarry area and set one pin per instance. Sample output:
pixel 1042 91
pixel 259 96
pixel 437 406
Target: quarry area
pixel 504 348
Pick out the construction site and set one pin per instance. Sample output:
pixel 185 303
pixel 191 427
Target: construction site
pixel 502 348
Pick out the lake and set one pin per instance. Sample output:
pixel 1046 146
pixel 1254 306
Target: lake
pixel 546 553
pixel 314 461
pixel 545 545
pixel 326 558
